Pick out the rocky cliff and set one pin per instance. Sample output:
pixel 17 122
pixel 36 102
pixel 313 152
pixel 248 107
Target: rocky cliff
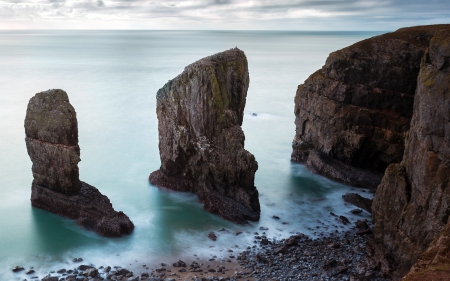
pixel 412 203
pixel 201 142
pixel 352 115
pixel 51 130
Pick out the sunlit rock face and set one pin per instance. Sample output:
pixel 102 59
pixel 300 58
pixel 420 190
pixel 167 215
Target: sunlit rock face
pixel 201 143
pixel 52 142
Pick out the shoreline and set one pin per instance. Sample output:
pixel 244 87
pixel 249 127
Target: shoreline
pixel 333 256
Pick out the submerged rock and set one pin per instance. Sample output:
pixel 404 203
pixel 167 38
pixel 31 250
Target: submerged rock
pixel 412 203
pixel 51 130
pixel 201 143
pixel 358 201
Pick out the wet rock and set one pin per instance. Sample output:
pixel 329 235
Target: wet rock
pixel 212 236
pixel 17 268
pixel 51 130
pixel 179 263
pixel 84 267
pixel 123 272
pixel 50 278
pixel 29 271
pixel 356 211
pixel 358 201
pixel 201 142
pixel 91 272
pixel 344 220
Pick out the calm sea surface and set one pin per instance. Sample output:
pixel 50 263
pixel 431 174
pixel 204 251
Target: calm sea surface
pixel 112 78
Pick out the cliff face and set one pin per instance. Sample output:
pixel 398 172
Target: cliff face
pixel 52 142
pixel 201 142
pixel 412 203
pixel 353 114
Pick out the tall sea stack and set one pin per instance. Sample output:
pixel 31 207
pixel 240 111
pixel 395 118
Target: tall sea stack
pixel 51 130
pixel 201 142
pixel 382 107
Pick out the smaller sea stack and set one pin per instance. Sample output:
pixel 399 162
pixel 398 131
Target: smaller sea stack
pixel 51 130
pixel 201 142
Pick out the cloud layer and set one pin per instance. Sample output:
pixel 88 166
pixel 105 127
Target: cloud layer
pixel 222 14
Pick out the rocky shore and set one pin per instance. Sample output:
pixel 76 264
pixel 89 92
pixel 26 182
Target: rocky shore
pixel 333 256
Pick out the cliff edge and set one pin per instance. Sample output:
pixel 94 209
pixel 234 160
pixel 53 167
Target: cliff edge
pixel 352 115
pixel 411 207
pixel 201 142
pixel 51 130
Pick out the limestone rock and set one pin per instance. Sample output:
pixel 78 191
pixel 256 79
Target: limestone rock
pixel 52 142
pixel 412 203
pixel 353 115
pixel 201 142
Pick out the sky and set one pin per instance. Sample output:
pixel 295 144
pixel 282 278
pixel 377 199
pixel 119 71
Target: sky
pixel 379 15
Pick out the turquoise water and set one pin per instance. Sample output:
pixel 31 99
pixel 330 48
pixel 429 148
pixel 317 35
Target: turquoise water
pixel 112 78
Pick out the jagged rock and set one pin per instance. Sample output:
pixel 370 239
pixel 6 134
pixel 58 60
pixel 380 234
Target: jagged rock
pixel 412 203
pixel 52 143
pixel 434 263
pixel 353 115
pixel 358 201
pixel 201 142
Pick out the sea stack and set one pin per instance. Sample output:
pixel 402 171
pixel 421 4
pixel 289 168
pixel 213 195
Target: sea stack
pixel 201 142
pixel 51 130
pixel 352 116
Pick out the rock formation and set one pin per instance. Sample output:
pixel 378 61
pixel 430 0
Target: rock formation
pixel 201 142
pixel 382 105
pixel 352 115
pixel 51 130
pixel 412 203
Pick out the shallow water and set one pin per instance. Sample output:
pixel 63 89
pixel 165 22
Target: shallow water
pixel 112 78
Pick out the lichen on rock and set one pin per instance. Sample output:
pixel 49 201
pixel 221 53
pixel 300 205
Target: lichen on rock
pixel 51 130
pixel 201 142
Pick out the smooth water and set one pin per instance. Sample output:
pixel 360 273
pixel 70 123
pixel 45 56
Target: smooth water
pixel 112 78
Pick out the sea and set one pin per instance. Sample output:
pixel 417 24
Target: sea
pixel 112 78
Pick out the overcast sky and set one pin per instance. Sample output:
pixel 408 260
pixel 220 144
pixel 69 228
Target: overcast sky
pixel 383 15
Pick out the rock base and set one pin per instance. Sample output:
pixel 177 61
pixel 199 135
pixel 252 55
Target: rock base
pixel 91 209
pixel 214 202
pixel 338 171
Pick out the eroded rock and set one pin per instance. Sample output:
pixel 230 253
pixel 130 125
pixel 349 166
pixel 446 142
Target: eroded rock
pixel 201 142
pixel 412 203
pixel 353 115
pixel 52 143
